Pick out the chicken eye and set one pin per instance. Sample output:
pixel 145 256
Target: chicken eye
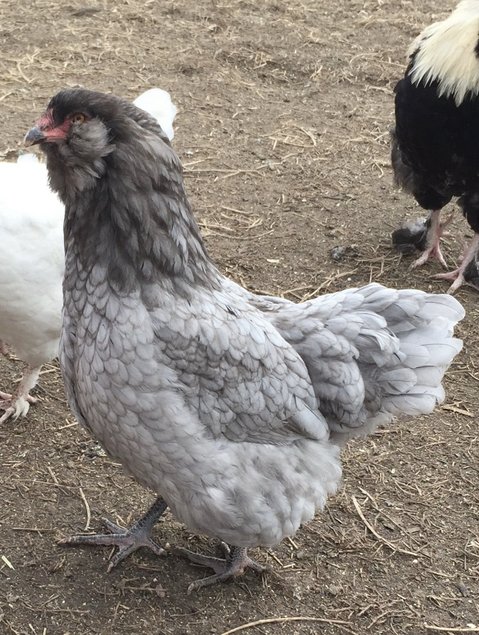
pixel 78 117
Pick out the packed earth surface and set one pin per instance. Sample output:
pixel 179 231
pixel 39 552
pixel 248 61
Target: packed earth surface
pixel 283 130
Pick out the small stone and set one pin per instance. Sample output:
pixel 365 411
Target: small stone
pixel 11 598
pixel 464 591
pixel 338 252
pixel 160 591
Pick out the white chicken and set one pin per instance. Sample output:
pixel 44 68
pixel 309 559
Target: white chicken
pixel 32 261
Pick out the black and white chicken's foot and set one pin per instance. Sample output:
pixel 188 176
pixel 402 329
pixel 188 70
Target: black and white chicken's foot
pixel 430 252
pixel 457 276
pixel 18 404
pixel 127 540
pixel 433 240
pixel 467 272
pixel 233 565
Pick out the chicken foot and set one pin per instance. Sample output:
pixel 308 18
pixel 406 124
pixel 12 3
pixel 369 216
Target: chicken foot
pixel 127 540
pixel 18 403
pixel 459 275
pixel 233 565
pixel 433 240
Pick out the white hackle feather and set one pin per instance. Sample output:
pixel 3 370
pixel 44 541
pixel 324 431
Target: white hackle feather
pixel 446 52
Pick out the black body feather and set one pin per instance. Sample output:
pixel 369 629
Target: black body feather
pixel 435 147
pixel 471 273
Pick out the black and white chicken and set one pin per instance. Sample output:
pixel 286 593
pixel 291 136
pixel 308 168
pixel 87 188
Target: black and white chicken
pixel 231 407
pixel 435 144
pixel 32 261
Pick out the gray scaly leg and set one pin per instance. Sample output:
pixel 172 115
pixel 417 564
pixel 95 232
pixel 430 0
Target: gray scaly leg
pixel 233 565
pixel 127 540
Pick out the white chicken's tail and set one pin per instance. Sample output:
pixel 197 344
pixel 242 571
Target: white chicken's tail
pixel 373 353
pixel 157 102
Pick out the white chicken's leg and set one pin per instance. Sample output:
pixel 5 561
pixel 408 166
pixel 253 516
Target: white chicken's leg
pixel 18 404
pixel 234 564
pixel 434 234
pixel 458 274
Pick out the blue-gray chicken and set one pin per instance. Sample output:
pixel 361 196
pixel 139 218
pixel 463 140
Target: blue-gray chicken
pixel 230 406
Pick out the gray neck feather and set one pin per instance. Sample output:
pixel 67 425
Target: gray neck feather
pixel 128 211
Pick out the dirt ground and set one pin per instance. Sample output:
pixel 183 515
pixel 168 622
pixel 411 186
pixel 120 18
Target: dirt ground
pixel 284 111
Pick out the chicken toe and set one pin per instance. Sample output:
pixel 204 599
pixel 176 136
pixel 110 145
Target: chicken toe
pixel 456 277
pixel 431 252
pixel 233 565
pixel 466 272
pixel 18 404
pixel 424 235
pixel 127 540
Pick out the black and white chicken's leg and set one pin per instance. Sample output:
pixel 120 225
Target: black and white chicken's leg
pixel 127 540
pixel 467 272
pixel 233 565
pixel 433 240
pixel 17 404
